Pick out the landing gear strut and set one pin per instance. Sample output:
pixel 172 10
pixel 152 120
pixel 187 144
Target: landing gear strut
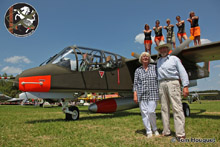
pixel 72 112
pixel 74 115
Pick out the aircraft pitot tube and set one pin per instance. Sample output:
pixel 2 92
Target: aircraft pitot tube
pixel 112 105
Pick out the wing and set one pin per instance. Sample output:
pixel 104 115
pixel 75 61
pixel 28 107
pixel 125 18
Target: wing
pixel 202 53
pixel 196 54
pixel 4 97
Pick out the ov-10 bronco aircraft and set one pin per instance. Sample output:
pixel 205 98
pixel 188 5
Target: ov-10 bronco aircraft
pixel 76 70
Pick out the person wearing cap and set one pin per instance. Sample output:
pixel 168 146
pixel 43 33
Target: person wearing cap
pixel 170 72
pixel 146 93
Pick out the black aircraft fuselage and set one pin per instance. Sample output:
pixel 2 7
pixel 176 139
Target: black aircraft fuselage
pixel 80 69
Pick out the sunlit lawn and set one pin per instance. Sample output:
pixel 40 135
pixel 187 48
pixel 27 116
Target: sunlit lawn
pixel 35 126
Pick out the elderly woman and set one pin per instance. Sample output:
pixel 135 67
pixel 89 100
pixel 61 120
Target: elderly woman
pixel 146 93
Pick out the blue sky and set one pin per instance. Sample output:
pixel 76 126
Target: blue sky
pixel 115 26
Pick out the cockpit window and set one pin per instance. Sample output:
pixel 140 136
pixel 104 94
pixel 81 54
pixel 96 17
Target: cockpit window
pixel 110 61
pixel 88 60
pixel 67 59
pixel 119 61
pixel 85 59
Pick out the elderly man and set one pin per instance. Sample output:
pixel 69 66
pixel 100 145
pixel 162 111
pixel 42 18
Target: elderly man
pixel 170 71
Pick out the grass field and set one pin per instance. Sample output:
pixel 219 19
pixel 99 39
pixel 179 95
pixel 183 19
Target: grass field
pixel 35 126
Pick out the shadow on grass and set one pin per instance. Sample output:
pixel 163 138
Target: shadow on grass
pixel 45 121
pixel 143 132
pixel 194 114
pixel 122 114
pixel 91 117
pixel 109 115
pixel 200 115
pixel 197 114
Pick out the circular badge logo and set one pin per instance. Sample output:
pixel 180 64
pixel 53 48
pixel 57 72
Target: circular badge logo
pixel 21 20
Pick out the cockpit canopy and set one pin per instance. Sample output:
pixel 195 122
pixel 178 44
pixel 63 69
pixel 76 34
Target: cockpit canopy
pixel 85 59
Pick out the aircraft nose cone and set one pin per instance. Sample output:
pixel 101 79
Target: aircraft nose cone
pixel 93 108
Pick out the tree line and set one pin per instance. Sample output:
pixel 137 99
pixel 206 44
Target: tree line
pixel 7 88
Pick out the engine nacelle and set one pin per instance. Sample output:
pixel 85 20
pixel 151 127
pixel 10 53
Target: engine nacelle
pixel 182 46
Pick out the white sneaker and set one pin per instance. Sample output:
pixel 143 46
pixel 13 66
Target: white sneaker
pixel 156 133
pixel 149 135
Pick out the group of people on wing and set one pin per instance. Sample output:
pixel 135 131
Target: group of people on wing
pixel 181 34
pixel 163 81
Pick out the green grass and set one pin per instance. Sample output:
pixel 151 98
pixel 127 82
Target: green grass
pixel 35 126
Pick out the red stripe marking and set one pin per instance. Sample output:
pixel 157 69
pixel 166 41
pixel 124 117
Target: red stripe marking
pixel 106 106
pixel 118 76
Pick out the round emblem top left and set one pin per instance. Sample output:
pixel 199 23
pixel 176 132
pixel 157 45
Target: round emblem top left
pixel 21 20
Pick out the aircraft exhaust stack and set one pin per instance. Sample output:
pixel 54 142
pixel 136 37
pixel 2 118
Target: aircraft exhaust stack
pixel 112 105
pixel 182 46
pixel 135 55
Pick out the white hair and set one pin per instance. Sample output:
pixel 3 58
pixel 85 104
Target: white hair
pixel 142 54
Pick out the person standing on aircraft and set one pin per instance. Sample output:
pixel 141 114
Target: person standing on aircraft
pixel 158 33
pixel 181 29
pixel 170 70
pixel 195 29
pixel 170 33
pixel 147 39
pixel 146 93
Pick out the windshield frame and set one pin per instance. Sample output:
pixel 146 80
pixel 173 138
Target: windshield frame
pixel 78 50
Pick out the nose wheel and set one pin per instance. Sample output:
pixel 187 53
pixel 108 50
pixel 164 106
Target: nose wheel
pixel 74 113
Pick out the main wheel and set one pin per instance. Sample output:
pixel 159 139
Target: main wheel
pixel 41 105
pixel 75 115
pixel 186 109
